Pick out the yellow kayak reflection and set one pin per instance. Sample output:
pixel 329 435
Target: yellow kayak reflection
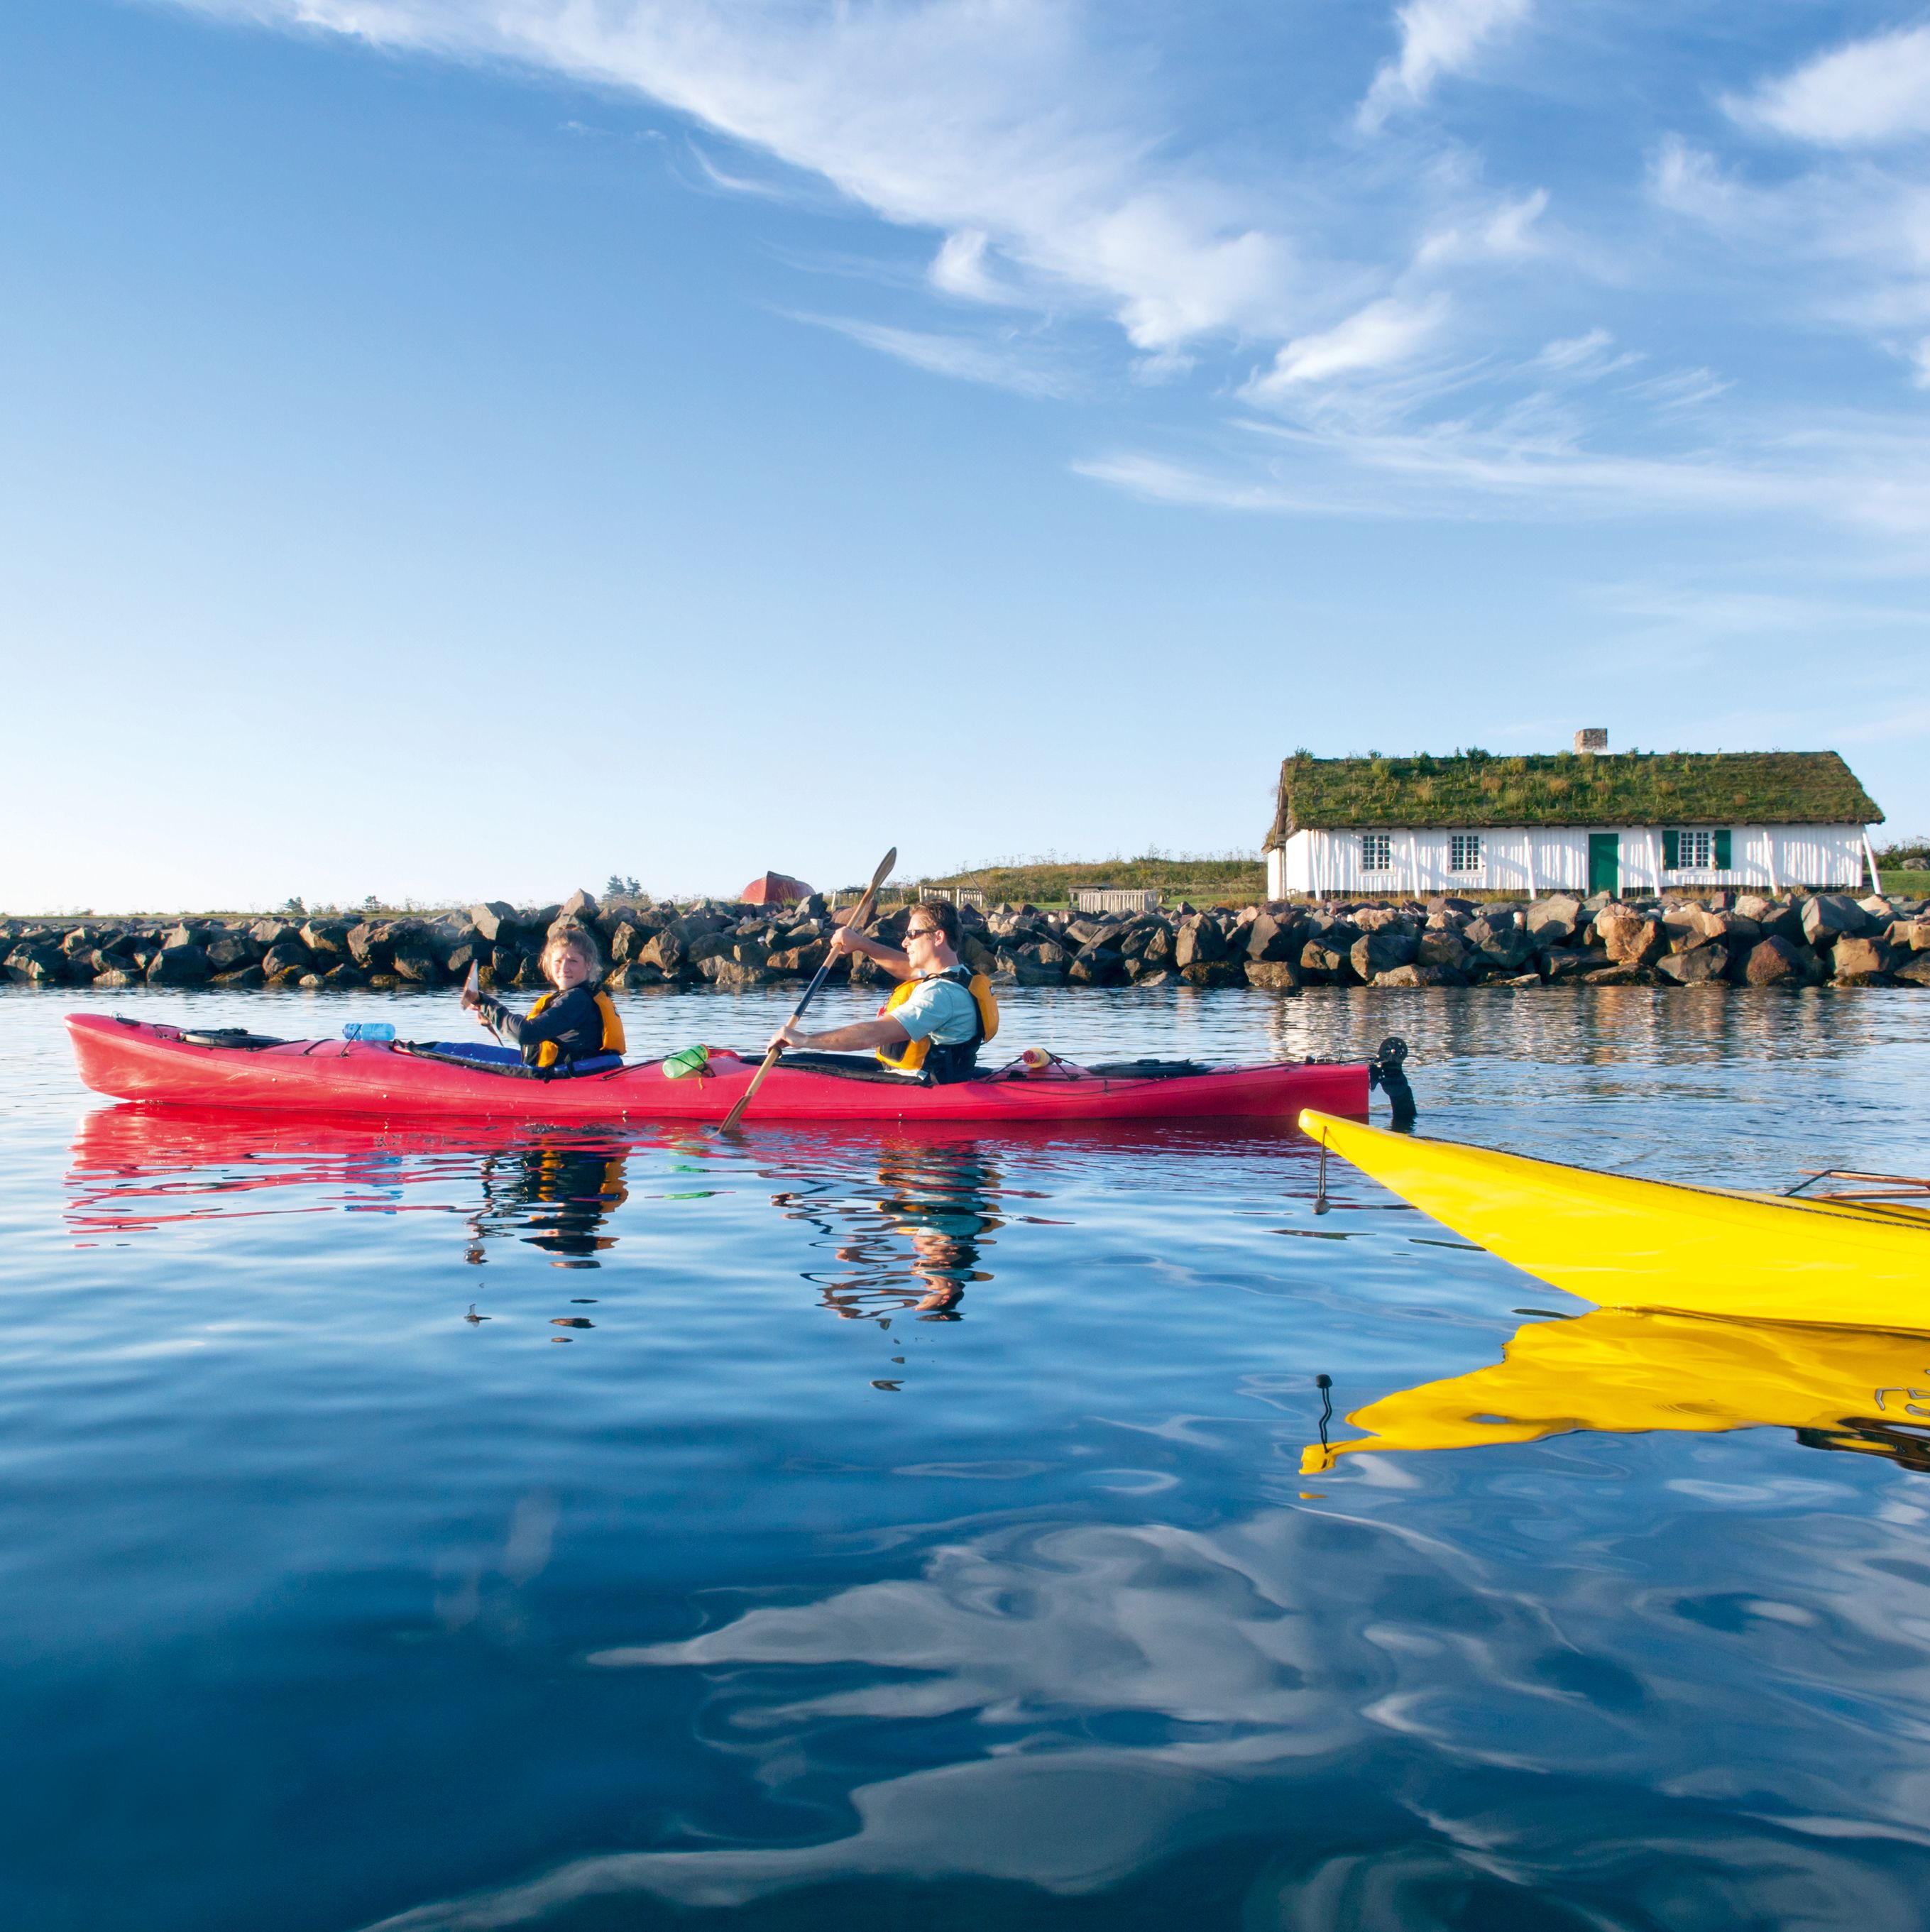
pixel 1622 1373
pixel 1626 1243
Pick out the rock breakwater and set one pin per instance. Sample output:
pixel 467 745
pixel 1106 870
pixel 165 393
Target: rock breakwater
pixel 1721 938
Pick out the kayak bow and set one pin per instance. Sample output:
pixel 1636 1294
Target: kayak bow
pixel 1623 1243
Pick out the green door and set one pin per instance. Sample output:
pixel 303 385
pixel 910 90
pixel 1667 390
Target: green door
pixel 1604 862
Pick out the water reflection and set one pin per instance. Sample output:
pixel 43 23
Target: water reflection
pixel 557 1195
pixel 1620 1372
pixel 912 1248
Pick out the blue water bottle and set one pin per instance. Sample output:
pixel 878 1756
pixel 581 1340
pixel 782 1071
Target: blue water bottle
pixel 368 1029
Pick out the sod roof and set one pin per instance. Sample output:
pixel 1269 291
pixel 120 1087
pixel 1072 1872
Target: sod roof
pixel 1631 788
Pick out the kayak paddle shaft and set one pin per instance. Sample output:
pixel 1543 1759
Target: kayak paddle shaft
pixel 860 914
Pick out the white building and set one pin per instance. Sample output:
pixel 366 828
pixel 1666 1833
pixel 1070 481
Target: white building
pixel 1581 822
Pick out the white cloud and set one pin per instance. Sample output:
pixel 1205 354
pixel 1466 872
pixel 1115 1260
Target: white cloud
pixel 987 119
pixel 1437 37
pixel 1384 334
pixel 1875 480
pixel 1869 91
pixel 950 356
pixel 1508 233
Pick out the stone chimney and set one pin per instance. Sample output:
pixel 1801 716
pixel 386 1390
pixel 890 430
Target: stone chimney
pixel 1590 738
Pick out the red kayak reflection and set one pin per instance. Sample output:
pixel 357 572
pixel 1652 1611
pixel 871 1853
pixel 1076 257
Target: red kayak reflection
pixel 137 1169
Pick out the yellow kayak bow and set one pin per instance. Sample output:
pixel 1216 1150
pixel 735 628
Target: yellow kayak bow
pixel 1623 1242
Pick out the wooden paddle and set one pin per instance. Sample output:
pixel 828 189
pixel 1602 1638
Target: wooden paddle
pixel 472 985
pixel 860 915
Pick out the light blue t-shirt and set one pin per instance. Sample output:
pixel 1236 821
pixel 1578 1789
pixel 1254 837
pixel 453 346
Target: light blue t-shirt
pixel 941 1011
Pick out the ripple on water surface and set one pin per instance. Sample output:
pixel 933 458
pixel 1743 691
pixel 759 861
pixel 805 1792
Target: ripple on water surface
pixel 469 1529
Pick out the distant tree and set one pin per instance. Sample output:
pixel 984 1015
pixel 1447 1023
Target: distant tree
pixel 294 905
pixel 371 904
pixel 635 890
pixel 612 887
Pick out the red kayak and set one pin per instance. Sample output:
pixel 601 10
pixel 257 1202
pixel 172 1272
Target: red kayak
pixel 133 1060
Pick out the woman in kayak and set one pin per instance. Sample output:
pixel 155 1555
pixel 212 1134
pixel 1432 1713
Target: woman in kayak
pixel 577 1022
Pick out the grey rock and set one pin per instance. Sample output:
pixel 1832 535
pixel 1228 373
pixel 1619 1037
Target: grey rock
pixel 1700 966
pixel 179 966
pixel 1274 976
pixel 492 919
pixel 1383 950
pixel 1830 916
pixel 327 939
pixel 1553 922
pixel 286 957
pixel 1098 966
pixel 1864 960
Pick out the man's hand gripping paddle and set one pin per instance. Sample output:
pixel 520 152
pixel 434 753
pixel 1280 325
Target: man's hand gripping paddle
pixel 861 915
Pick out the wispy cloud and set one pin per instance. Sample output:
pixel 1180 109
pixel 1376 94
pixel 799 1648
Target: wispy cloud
pixel 1437 37
pixel 951 355
pixel 1380 336
pixel 1869 92
pixel 1870 480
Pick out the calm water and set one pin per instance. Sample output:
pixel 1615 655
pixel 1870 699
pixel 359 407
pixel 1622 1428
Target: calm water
pixel 912 1534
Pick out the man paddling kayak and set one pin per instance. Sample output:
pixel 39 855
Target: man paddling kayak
pixel 933 1026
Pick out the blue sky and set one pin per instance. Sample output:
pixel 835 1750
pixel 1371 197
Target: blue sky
pixel 460 449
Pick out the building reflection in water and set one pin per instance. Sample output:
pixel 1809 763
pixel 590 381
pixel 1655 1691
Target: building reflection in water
pixel 913 1249
pixel 557 1196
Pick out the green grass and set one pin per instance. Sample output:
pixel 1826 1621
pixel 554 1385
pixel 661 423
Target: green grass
pixel 1236 879
pixel 1914 885
pixel 1574 788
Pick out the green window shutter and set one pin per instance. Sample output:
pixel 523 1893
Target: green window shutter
pixel 1722 849
pixel 1671 851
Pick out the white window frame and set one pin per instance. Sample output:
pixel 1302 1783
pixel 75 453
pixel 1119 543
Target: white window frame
pixel 1466 859
pixel 1695 850
pixel 1376 852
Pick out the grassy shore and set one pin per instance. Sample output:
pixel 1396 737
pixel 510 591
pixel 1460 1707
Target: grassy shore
pixel 1232 879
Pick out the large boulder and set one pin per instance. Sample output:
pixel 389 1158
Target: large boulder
pixel 415 961
pixel 371 945
pixel 229 952
pixel 1441 946
pixel 1627 937
pixel 1863 960
pixel 1098 966
pixel 1040 963
pixel 580 909
pixel 1772 919
pixel 1275 937
pixel 37 963
pixel 1281 976
pixel 1417 975
pixel 1381 951
pixel 665 951
pixel 1828 916
pixel 1215 973
pixel 493 919
pixel 327 939
pixel 1200 942
pixel 1572 962
pixel 1501 941
pixel 286 959
pixel 734 976
pixel 178 936
pixel 1700 966
pixel 1913 971
pixel 1776 962
pixel 1553 921
pixel 179 966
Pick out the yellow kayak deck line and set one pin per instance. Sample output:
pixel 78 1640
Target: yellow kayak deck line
pixel 1617 1372
pixel 1623 1242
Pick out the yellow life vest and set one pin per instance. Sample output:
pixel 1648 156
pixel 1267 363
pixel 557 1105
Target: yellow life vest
pixel 613 1027
pixel 912 1056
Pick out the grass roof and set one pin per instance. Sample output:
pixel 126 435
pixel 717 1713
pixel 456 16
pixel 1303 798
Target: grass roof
pixel 1478 788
